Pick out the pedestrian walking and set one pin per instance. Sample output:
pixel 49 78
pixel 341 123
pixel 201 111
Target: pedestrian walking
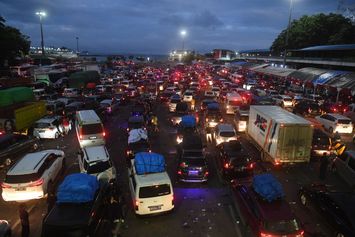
pixel 323 166
pixel 25 223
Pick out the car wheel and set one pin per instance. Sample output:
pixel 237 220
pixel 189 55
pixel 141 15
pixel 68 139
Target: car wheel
pixel 331 130
pixel 339 235
pixel 303 199
pixel 56 135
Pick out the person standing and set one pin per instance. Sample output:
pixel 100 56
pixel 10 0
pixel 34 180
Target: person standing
pixel 25 223
pixel 323 166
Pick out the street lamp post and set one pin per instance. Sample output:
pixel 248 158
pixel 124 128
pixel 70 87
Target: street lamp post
pixel 183 34
pixel 77 45
pixel 41 14
pixel 287 32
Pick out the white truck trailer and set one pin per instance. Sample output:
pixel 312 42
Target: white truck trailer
pixel 281 137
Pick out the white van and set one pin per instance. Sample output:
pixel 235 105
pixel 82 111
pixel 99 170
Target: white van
pixel 89 128
pixel 233 101
pixel 151 193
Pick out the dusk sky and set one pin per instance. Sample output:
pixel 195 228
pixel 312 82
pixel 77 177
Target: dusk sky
pixel 153 26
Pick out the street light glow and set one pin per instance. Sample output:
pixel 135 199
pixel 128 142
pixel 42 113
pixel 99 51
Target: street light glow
pixel 183 33
pixel 41 13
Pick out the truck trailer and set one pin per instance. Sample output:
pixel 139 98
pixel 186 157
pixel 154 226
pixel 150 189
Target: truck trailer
pixel 280 136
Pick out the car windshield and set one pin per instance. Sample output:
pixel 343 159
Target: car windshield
pixel 154 191
pixel 227 134
pixel 25 178
pixel 344 121
pixel 234 102
pixel 43 125
pixel 282 227
pixel 98 167
pixel 88 129
pixel 200 162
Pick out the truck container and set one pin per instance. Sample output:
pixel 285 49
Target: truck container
pixel 20 117
pixel 281 137
pixel 15 95
pixel 82 79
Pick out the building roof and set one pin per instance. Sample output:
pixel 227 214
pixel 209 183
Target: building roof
pixel 255 51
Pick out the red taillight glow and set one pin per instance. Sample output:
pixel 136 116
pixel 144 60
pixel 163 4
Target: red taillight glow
pixel 179 172
pixel 251 166
pixel 226 165
pixel 5 185
pixel 104 134
pixel 36 183
pixel 81 136
pixel 206 173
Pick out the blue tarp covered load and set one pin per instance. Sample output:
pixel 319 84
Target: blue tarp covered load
pixel 77 188
pixel 148 162
pixel 268 187
pixel 213 106
pixel 188 121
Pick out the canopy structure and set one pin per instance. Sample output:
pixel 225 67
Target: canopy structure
pixel 274 71
pixel 328 76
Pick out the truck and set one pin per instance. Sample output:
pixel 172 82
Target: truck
pixel 280 136
pixel 79 209
pixel 20 117
pixel 233 100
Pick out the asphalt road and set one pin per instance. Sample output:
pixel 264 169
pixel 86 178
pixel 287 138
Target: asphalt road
pixel 200 209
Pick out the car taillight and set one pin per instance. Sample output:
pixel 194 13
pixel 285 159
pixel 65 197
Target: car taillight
pixel 36 183
pixel 300 234
pixel 81 136
pixel 136 203
pixel 206 173
pixel 221 120
pixel 179 172
pixel 226 165
pixel 104 134
pixel 251 166
pixel 5 185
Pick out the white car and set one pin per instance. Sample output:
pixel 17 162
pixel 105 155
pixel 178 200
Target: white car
pixel 283 101
pixel 33 175
pixel 224 133
pixel 48 128
pixel 174 100
pixel 335 123
pixel 71 92
pixel 188 96
pixel 95 160
pixel 216 90
pixel 210 94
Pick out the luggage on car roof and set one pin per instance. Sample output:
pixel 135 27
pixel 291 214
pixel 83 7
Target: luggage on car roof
pixel 268 187
pixel 188 121
pixel 213 106
pixel 148 162
pixel 77 188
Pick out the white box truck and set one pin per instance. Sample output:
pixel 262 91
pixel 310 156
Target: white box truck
pixel 281 137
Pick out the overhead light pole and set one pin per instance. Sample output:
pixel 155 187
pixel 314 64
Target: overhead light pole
pixel 41 14
pixel 287 31
pixel 183 34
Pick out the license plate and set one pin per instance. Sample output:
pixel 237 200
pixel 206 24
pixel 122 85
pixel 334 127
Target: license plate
pixel 92 137
pixel 345 126
pixel 193 172
pixel 154 208
pixel 20 189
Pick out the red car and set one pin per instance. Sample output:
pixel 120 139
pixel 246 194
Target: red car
pixel 265 219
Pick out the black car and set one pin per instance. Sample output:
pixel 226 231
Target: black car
pixel 337 208
pixel 307 108
pixel 192 164
pixel 14 145
pixel 182 108
pixel 321 143
pixel 165 96
pixel 234 161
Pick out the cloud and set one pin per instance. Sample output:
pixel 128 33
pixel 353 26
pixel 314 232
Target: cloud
pixel 206 19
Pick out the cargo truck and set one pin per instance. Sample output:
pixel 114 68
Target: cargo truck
pixel 21 116
pixel 280 136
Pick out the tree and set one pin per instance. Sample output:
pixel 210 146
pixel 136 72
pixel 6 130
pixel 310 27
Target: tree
pixel 12 43
pixel 319 29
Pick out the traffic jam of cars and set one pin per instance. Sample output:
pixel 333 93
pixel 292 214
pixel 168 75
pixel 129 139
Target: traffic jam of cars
pixel 162 141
